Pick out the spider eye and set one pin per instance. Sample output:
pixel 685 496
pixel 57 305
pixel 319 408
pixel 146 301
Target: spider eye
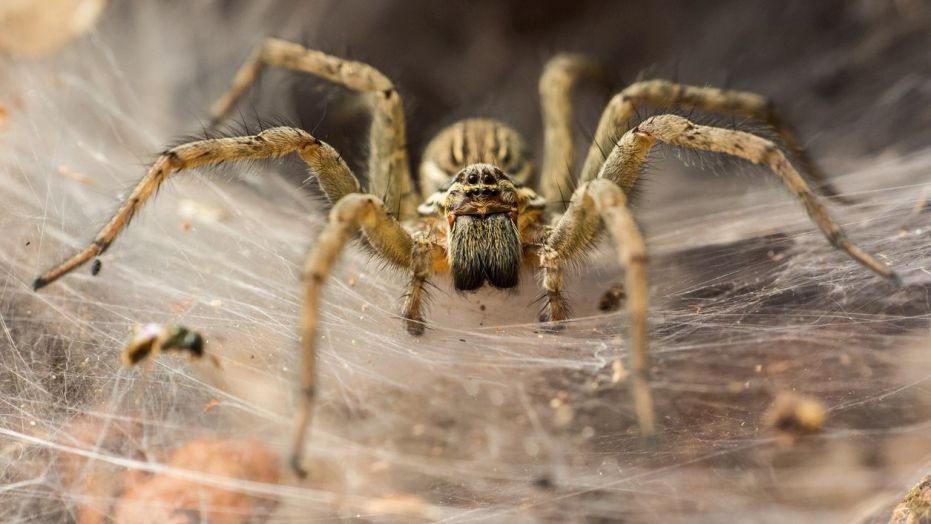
pixel 473 179
pixel 489 178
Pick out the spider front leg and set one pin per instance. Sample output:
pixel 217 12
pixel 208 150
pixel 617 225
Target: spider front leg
pixel 601 201
pixel 334 175
pixel 389 167
pixel 351 213
pixel 623 167
pixel 662 93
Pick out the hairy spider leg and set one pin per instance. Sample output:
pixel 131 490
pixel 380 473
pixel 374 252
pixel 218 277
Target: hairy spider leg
pixel 616 117
pixel 560 74
pixel 349 215
pixel 624 168
pixel 334 175
pixel 389 172
pixel 603 199
pixel 593 203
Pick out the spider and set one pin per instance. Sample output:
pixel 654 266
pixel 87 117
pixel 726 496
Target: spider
pixel 476 215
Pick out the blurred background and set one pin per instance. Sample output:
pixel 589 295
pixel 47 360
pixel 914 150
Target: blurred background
pixel 485 418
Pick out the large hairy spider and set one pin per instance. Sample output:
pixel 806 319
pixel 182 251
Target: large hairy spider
pixel 475 215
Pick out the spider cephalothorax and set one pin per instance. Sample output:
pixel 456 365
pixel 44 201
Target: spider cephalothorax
pixel 479 220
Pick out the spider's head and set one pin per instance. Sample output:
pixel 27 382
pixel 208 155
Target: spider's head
pixel 481 207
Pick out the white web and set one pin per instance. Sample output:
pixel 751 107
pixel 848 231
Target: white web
pixel 485 417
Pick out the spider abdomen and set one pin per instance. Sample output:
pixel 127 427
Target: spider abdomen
pixel 469 142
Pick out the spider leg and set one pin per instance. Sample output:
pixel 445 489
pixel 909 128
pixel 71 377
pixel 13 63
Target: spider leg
pixel 389 167
pixel 559 76
pixel 596 202
pixel 351 213
pixel 556 308
pixel 662 93
pixel 423 257
pixel 334 175
pixel 570 237
pixel 623 165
